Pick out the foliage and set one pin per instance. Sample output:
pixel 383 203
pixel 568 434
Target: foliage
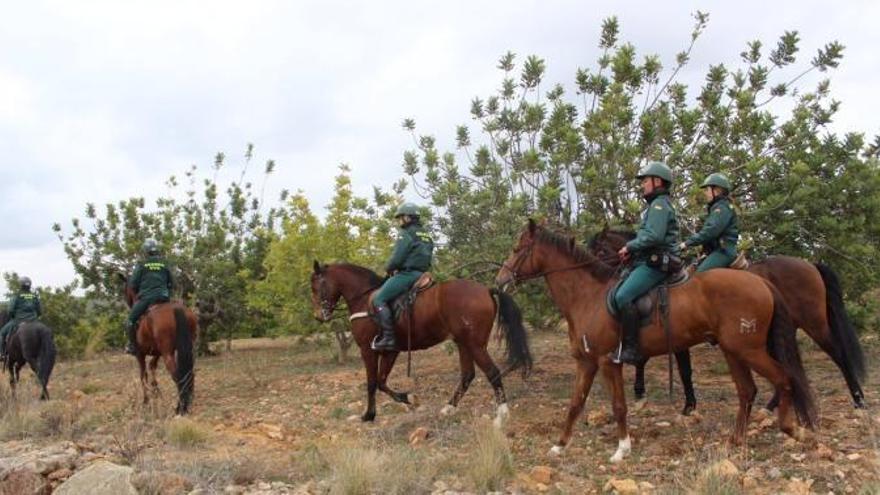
pixel 802 190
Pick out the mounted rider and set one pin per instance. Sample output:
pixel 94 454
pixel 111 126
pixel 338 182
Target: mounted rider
pixel 410 259
pixel 152 283
pixel 720 231
pixel 655 244
pixel 24 306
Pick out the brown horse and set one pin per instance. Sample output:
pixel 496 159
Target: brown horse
pixel 814 299
pixel 167 330
pixel 740 311
pixel 461 310
pixel 34 345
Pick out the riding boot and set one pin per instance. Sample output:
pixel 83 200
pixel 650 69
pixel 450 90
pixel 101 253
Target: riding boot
pixel 629 341
pixel 132 335
pixel 385 340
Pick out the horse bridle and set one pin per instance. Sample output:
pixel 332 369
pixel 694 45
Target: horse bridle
pixel 328 309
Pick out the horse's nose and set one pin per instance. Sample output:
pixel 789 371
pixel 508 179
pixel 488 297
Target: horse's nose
pixel 503 279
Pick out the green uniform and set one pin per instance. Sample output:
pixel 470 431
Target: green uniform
pixel 152 282
pixel 410 259
pixel 25 306
pixel 657 234
pixel 718 236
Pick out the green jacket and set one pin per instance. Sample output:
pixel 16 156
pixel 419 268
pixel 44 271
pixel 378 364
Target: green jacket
pixel 412 251
pixel 25 306
pixel 658 232
pixel 152 278
pixel 720 230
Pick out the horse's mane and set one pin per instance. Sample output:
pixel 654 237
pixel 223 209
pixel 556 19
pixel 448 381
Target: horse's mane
pixel 627 234
pixel 563 244
pixel 373 278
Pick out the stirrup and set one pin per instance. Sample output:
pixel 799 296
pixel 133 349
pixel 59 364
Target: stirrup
pixel 388 346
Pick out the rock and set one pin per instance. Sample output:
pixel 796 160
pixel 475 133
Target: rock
pixel 233 489
pixel 749 483
pixel 542 474
pixel 798 487
pixel 87 458
pixel 854 456
pixel 271 430
pixel 100 478
pixel 61 474
pixel 161 483
pixel 766 423
pixel 663 424
pixel 723 468
pixel 24 482
pixel 353 418
pixel 774 473
pixel 264 486
pixel 798 457
pixel 644 486
pixel 823 452
pixel 622 487
pixel 418 436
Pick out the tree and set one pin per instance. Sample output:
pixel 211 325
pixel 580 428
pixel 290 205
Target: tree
pixel 802 190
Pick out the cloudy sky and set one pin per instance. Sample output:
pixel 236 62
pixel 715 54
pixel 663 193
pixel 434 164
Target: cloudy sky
pixel 102 100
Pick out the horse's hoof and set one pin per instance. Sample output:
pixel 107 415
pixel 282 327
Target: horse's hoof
pixel 624 447
pixel 447 410
pixel 556 451
pixel 501 416
pixel 688 409
pixel 369 416
pixel 860 404
pixel 640 404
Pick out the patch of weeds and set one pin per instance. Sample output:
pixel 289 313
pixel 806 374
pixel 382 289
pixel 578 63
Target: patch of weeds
pixel 719 367
pixel 185 433
pixel 90 388
pixel 131 441
pixel 491 463
pixel 339 413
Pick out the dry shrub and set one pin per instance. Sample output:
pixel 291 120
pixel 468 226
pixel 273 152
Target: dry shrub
pixel 20 418
pixel 387 469
pixel 186 433
pixel 130 442
pixel 491 463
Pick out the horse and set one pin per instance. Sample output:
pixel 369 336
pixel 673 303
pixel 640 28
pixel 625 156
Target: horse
pixel 461 310
pixel 167 330
pixel 815 302
pixel 31 344
pixel 740 311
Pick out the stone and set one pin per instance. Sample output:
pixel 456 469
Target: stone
pixel 663 424
pixel 622 486
pixel 823 452
pixel 233 489
pixel 61 474
pixel 24 482
pixel 645 486
pixel 798 457
pixel 749 484
pixel 100 478
pixel 774 473
pixel 542 474
pixel 161 483
pixel 854 456
pixel 418 436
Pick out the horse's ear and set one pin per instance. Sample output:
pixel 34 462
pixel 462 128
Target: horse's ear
pixel 532 226
pixel 121 278
pixel 317 267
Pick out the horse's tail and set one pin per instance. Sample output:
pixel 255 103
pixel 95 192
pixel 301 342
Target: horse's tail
pixel 185 374
pixel 514 332
pixel 47 355
pixel 843 334
pixel 782 346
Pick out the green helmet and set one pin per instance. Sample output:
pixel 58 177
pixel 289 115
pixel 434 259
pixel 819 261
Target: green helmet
pixel 24 283
pixel 656 169
pixel 151 246
pixel 407 209
pixel 717 180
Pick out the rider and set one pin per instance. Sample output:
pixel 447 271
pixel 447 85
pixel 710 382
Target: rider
pixel 655 245
pixel 720 232
pixel 410 259
pixel 24 306
pixel 152 284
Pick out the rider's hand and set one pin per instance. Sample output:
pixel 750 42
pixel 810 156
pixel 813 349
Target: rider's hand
pixel 682 246
pixel 623 254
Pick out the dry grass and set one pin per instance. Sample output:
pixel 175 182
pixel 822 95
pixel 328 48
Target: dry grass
pixel 132 440
pixel 390 469
pixel 491 463
pixel 186 433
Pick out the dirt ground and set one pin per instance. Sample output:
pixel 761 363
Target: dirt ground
pixel 284 410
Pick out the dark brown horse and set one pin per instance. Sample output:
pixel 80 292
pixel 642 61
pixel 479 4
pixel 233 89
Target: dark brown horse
pixel 34 345
pixel 461 310
pixel 167 330
pixel 814 299
pixel 742 312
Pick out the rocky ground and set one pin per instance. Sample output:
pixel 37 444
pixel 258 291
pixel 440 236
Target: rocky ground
pixel 281 416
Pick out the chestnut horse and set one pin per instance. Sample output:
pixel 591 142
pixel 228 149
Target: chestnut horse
pixel 461 310
pixel 740 311
pixel 814 299
pixel 167 330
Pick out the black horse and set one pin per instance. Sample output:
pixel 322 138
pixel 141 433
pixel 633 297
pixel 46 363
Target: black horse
pixel 31 344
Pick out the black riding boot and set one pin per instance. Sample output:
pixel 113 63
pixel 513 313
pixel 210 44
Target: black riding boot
pixel 629 340
pixel 385 340
pixel 132 335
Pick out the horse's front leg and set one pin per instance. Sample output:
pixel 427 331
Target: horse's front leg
pixel 685 372
pixel 371 364
pixel 583 381
pixel 142 365
pixel 639 384
pixel 468 372
pixel 614 379
pixel 386 364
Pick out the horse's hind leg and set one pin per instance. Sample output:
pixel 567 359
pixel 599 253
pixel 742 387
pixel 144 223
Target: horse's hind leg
pixel 171 366
pixel 386 364
pixel 493 374
pixel 746 391
pixel 586 372
pixel 767 367
pixel 142 364
pixel 466 364
pixel 154 383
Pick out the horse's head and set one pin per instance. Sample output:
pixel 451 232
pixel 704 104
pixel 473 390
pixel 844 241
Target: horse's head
pixel 325 293
pixel 521 263
pixel 608 242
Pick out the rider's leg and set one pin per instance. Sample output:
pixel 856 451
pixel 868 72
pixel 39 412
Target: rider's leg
pixel 716 259
pixel 641 279
pixel 392 288
pixel 4 334
pixel 137 310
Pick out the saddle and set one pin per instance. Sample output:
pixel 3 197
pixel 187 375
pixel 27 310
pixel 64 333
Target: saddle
pixel 401 304
pixel 646 304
